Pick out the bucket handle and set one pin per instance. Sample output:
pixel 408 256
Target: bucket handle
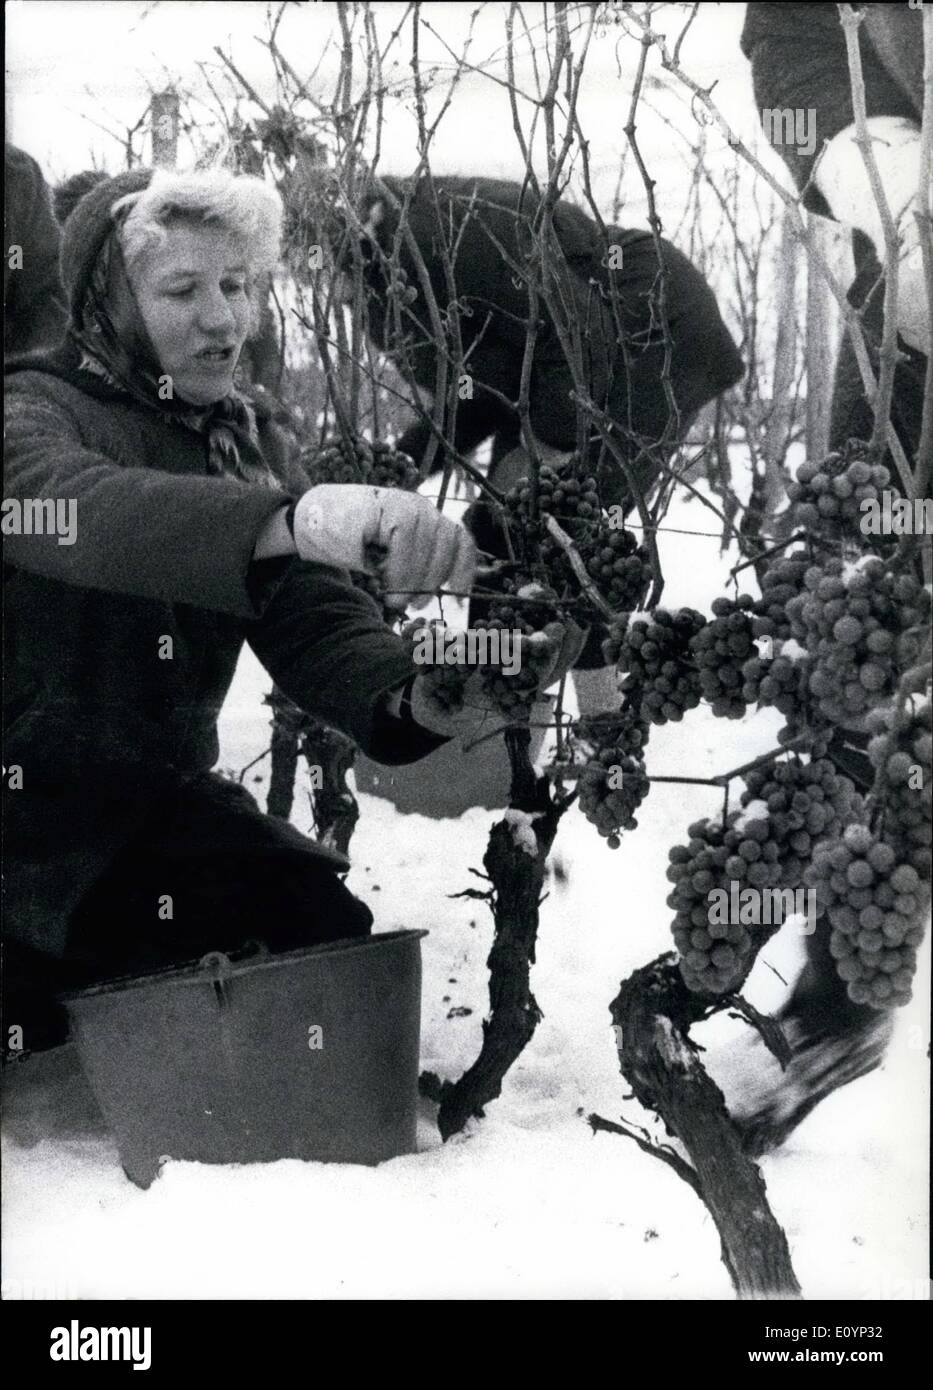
pixel 218 968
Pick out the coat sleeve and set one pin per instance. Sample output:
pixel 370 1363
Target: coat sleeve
pixel 34 299
pixel 798 58
pixel 174 537
pixel 326 647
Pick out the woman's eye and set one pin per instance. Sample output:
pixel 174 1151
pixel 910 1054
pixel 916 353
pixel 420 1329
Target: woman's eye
pixel 181 293
pixel 234 287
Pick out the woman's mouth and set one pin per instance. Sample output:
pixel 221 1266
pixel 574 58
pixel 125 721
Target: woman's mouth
pixel 215 357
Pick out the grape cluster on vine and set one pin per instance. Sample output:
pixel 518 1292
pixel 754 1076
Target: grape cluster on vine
pixel 615 637
pixel 715 954
pixel 901 753
pixel 612 782
pixel 806 802
pixel 787 808
pixel 528 616
pixel 827 498
pixel 861 624
pixel 780 681
pixel 530 611
pixel 660 673
pixel 876 906
pixel 781 581
pixel 447 680
pixel 720 649
pixel 613 559
pixel 356 460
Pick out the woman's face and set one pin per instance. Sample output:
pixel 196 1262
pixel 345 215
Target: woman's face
pixel 193 294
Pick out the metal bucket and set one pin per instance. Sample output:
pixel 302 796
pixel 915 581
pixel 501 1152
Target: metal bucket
pixel 311 1054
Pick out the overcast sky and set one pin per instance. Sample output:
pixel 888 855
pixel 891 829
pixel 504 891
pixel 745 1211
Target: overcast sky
pixel 74 62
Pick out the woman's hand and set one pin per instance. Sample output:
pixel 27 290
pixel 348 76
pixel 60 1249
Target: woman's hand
pixel 398 536
pixel 478 712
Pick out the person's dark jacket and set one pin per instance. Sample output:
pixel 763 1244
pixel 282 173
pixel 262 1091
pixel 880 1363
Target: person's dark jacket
pixel 33 299
pixel 487 227
pixel 121 647
pixel 798 58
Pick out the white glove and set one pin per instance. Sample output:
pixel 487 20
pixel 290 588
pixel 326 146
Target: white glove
pixel 398 536
pixel 843 180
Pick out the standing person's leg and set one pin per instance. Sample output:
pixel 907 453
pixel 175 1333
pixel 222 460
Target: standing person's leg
pixel 852 416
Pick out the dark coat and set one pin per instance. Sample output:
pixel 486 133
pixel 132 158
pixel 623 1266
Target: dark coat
pixel 486 223
pixel 798 58
pixel 100 723
pixel 33 299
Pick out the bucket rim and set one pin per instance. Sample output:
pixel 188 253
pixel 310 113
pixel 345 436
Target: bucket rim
pixel 193 972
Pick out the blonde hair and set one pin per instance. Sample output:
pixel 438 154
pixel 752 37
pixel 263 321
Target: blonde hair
pixel 244 205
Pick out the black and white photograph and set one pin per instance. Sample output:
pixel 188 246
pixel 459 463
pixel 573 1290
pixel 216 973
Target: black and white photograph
pixel 467 750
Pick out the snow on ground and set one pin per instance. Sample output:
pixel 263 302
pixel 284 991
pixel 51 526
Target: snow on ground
pixel 527 1203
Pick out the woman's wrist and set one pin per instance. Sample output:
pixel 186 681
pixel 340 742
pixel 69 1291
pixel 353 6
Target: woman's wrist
pixel 398 701
pixel 276 536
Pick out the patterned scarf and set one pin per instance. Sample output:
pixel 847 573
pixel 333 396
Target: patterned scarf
pixel 115 346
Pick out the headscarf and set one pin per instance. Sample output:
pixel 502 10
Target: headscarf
pixel 109 331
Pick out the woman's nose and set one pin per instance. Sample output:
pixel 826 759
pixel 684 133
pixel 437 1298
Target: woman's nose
pixel 216 312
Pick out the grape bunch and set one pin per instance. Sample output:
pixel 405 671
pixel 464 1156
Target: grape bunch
pixel 615 638
pixel 611 555
pixel 720 650
pixel 660 673
pixel 566 491
pixel 902 755
pixel 447 680
pixel 528 610
pixel 788 808
pixel 779 680
pixel 827 497
pixel 860 624
pixel 357 461
pixel 619 568
pixel 876 905
pixel 391 468
pixel 715 954
pixel 612 782
pixel 805 802
pixel 781 581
